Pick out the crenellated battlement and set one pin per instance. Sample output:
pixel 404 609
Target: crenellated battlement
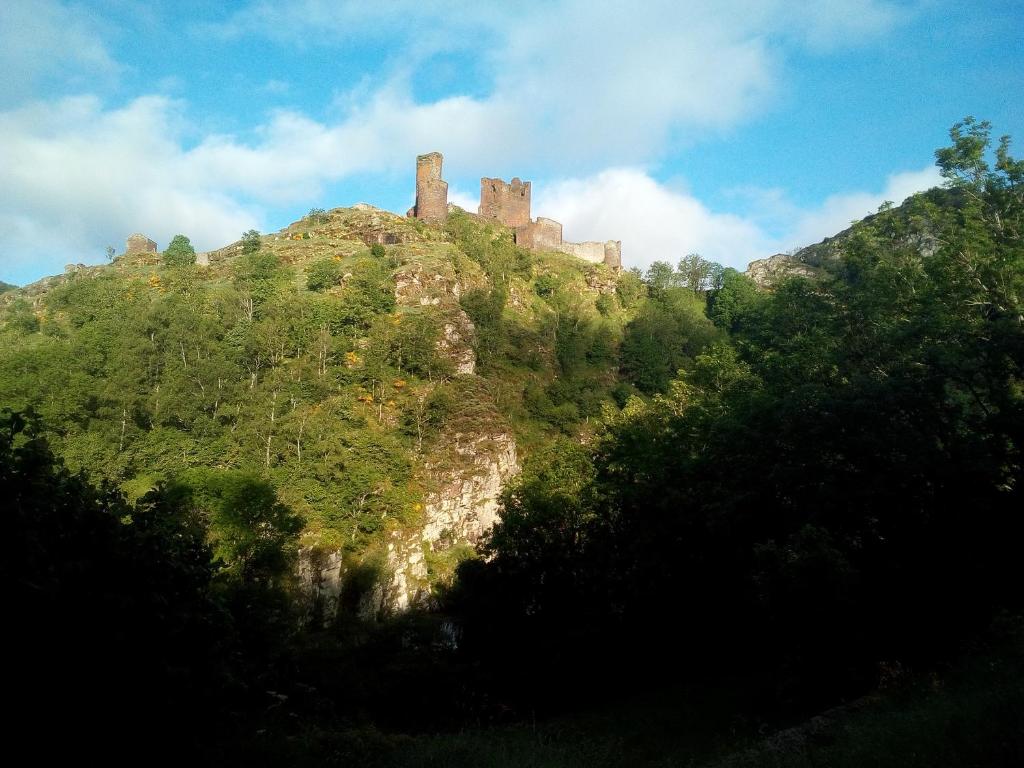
pixel 507 203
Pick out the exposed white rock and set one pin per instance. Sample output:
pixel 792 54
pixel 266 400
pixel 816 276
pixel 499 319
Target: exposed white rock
pixel 320 573
pixel 463 510
pixel 456 343
pixel 767 272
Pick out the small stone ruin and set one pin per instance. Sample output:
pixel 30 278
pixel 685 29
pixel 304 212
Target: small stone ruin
pixel 139 244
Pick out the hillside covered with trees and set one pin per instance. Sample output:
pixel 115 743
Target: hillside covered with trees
pixel 738 505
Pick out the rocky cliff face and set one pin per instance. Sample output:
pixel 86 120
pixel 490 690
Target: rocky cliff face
pixel 914 231
pixel 320 574
pixel 417 285
pixel 461 511
pixel 767 272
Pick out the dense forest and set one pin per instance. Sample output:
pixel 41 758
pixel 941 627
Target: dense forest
pixel 739 504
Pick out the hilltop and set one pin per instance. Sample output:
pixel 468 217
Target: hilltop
pixel 385 372
pixel 913 218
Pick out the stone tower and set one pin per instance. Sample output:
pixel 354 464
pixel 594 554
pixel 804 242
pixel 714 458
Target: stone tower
pixel 507 203
pixel 431 191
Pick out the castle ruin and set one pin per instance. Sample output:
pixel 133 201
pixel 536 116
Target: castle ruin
pixel 139 244
pixel 508 204
pixel 431 191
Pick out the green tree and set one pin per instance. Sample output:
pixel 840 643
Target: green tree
pixel 696 273
pixel 251 532
pixel 179 253
pixel 664 336
pixel 605 304
pixel 545 285
pixel 138 575
pixel 660 277
pixel 733 301
pixel 964 163
pixel 251 242
pixel 630 288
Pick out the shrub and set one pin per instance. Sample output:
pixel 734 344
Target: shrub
pixel 323 274
pixel 545 285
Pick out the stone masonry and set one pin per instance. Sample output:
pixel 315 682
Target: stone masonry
pixel 507 203
pixel 510 204
pixel 139 244
pixel 540 235
pixel 431 191
pixel 609 252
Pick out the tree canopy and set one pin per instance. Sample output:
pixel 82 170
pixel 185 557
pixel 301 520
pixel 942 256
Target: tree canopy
pixel 179 252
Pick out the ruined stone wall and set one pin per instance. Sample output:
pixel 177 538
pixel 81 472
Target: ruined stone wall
pixel 540 235
pixel 507 203
pixel 590 251
pixel 613 253
pixel 139 244
pixel 609 252
pixel 431 190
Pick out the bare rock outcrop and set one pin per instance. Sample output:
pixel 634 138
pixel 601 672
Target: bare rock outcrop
pixel 767 272
pixel 456 343
pixel 462 510
pixel 416 285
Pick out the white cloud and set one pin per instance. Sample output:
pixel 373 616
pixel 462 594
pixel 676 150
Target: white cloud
pixel 77 177
pixel 838 211
pixel 585 81
pixel 654 222
pixel 41 39
pixel 836 24
pixel 294 153
pixel 465 200
pixel 429 24
pixel 658 223
pixel 276 87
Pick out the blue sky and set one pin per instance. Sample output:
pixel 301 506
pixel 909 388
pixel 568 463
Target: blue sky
pixel 732 128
